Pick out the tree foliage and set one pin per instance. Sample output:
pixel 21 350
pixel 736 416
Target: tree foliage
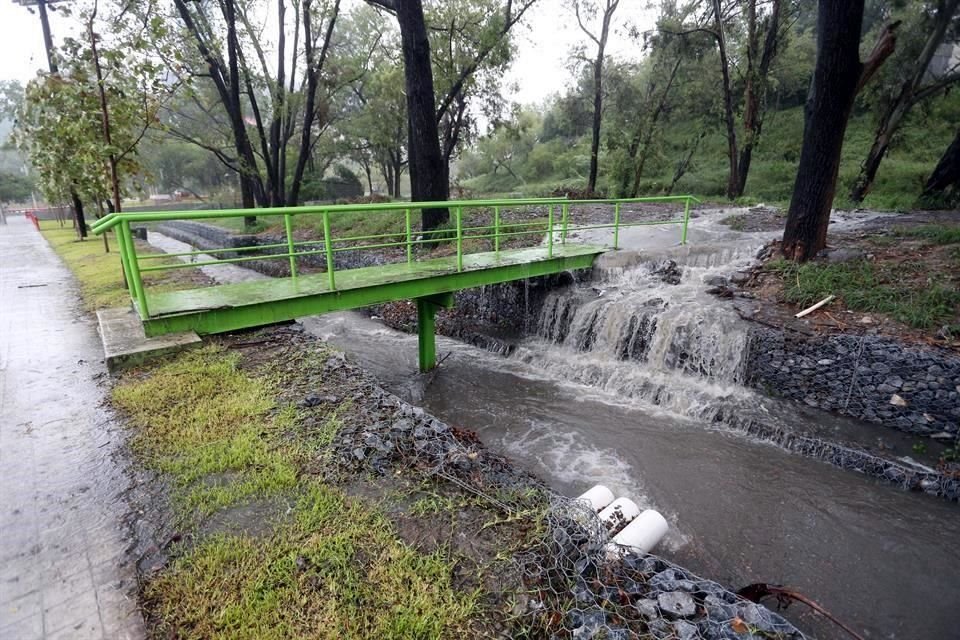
pixel 60 123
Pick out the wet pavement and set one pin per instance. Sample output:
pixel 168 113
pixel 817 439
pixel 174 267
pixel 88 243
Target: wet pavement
pixel 63 572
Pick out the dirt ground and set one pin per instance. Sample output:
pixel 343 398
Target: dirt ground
pixel 893 245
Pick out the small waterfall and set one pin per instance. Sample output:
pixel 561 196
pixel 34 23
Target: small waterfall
pixel 648 332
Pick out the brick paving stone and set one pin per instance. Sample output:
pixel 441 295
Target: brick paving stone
pixel 63 572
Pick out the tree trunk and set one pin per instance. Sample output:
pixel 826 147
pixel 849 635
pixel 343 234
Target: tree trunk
pixel 651 127
pixel 397 171
pixel 315 62
pixel 104 114
pixel 732 179
pixel 226 78
pixel 947 172
pixel 684 164
pixel 838 76
pixel 427 172
pixel 898 109
pixel 597 116
pixel 78 214
pixel 601 42
pixel 756 88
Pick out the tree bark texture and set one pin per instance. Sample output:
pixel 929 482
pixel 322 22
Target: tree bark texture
pixel 78 214
pixel 838 76
pixel 428 175
pixel 947 172
pixel 832 91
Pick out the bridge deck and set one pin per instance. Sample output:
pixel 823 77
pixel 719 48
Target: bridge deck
pixel 245 304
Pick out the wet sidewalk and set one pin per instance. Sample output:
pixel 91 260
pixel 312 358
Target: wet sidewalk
pixel 63 572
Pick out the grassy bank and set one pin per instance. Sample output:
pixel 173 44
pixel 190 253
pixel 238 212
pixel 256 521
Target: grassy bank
pixel 899 182
pixel 327 566
pixel 99 272
pixel 261 537
pixel 911 276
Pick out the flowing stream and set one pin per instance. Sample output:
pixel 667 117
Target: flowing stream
pixel 620 383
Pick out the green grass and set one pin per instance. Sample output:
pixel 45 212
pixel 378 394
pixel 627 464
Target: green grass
pixel 217 431
pixel 937 234
pixel 197 416
pixel 864 286
pixel 333 569
pixel 336 571
pixel 100 273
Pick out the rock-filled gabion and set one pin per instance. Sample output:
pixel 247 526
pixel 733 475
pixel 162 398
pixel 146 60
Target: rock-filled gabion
pixel 873 378
pixel 574 584
pixel 584 588
pixel 911 477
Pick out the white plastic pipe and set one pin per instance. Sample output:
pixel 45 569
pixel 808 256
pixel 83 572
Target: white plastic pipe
pixel 644 532
pixel 619 513
pixel 598 497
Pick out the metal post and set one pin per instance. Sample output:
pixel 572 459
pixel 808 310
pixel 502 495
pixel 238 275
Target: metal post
pixel 409 240
pixel 686 219
pixel 616 226
pixel 550 231
pixel 459 215
pixel 496 230
pixel 426 335
pixel 140 294
pixel 565 217
pixel 328 247
pixel 288 225
pixel 124 264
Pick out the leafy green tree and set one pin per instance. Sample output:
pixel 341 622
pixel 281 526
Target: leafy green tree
pixel 913 80
pixel 84 123
pixel 374 118
pixel 476 36
pixel 258 76
pixel 14 187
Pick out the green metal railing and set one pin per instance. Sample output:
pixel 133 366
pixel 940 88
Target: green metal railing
pixel 406 241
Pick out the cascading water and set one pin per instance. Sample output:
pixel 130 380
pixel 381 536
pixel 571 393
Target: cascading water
pixel 610 409
pixel 648 333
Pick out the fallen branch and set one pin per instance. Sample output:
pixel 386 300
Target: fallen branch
pixel 815 307
pixel 758 591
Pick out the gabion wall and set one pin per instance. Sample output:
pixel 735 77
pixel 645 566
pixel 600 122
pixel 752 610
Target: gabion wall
pixel 912 388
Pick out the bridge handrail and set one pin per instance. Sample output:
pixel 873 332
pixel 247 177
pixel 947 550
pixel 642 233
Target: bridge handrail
pixel 111 220
pixel 554 230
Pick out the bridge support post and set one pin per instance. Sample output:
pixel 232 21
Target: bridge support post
pixel 426 327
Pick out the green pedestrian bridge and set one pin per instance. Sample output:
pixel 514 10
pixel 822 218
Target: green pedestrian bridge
pixel 486 242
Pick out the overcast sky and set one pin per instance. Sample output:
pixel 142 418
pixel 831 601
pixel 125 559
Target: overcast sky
pixel 541 66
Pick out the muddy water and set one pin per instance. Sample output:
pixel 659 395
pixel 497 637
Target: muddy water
pixel 741 511
pixel 883 560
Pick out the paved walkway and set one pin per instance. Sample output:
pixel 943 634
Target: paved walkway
pixel 63 572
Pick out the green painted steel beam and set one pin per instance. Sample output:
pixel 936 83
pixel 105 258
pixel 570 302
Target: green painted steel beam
pixel 426 328
pixel 250 304
pixel 426 334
